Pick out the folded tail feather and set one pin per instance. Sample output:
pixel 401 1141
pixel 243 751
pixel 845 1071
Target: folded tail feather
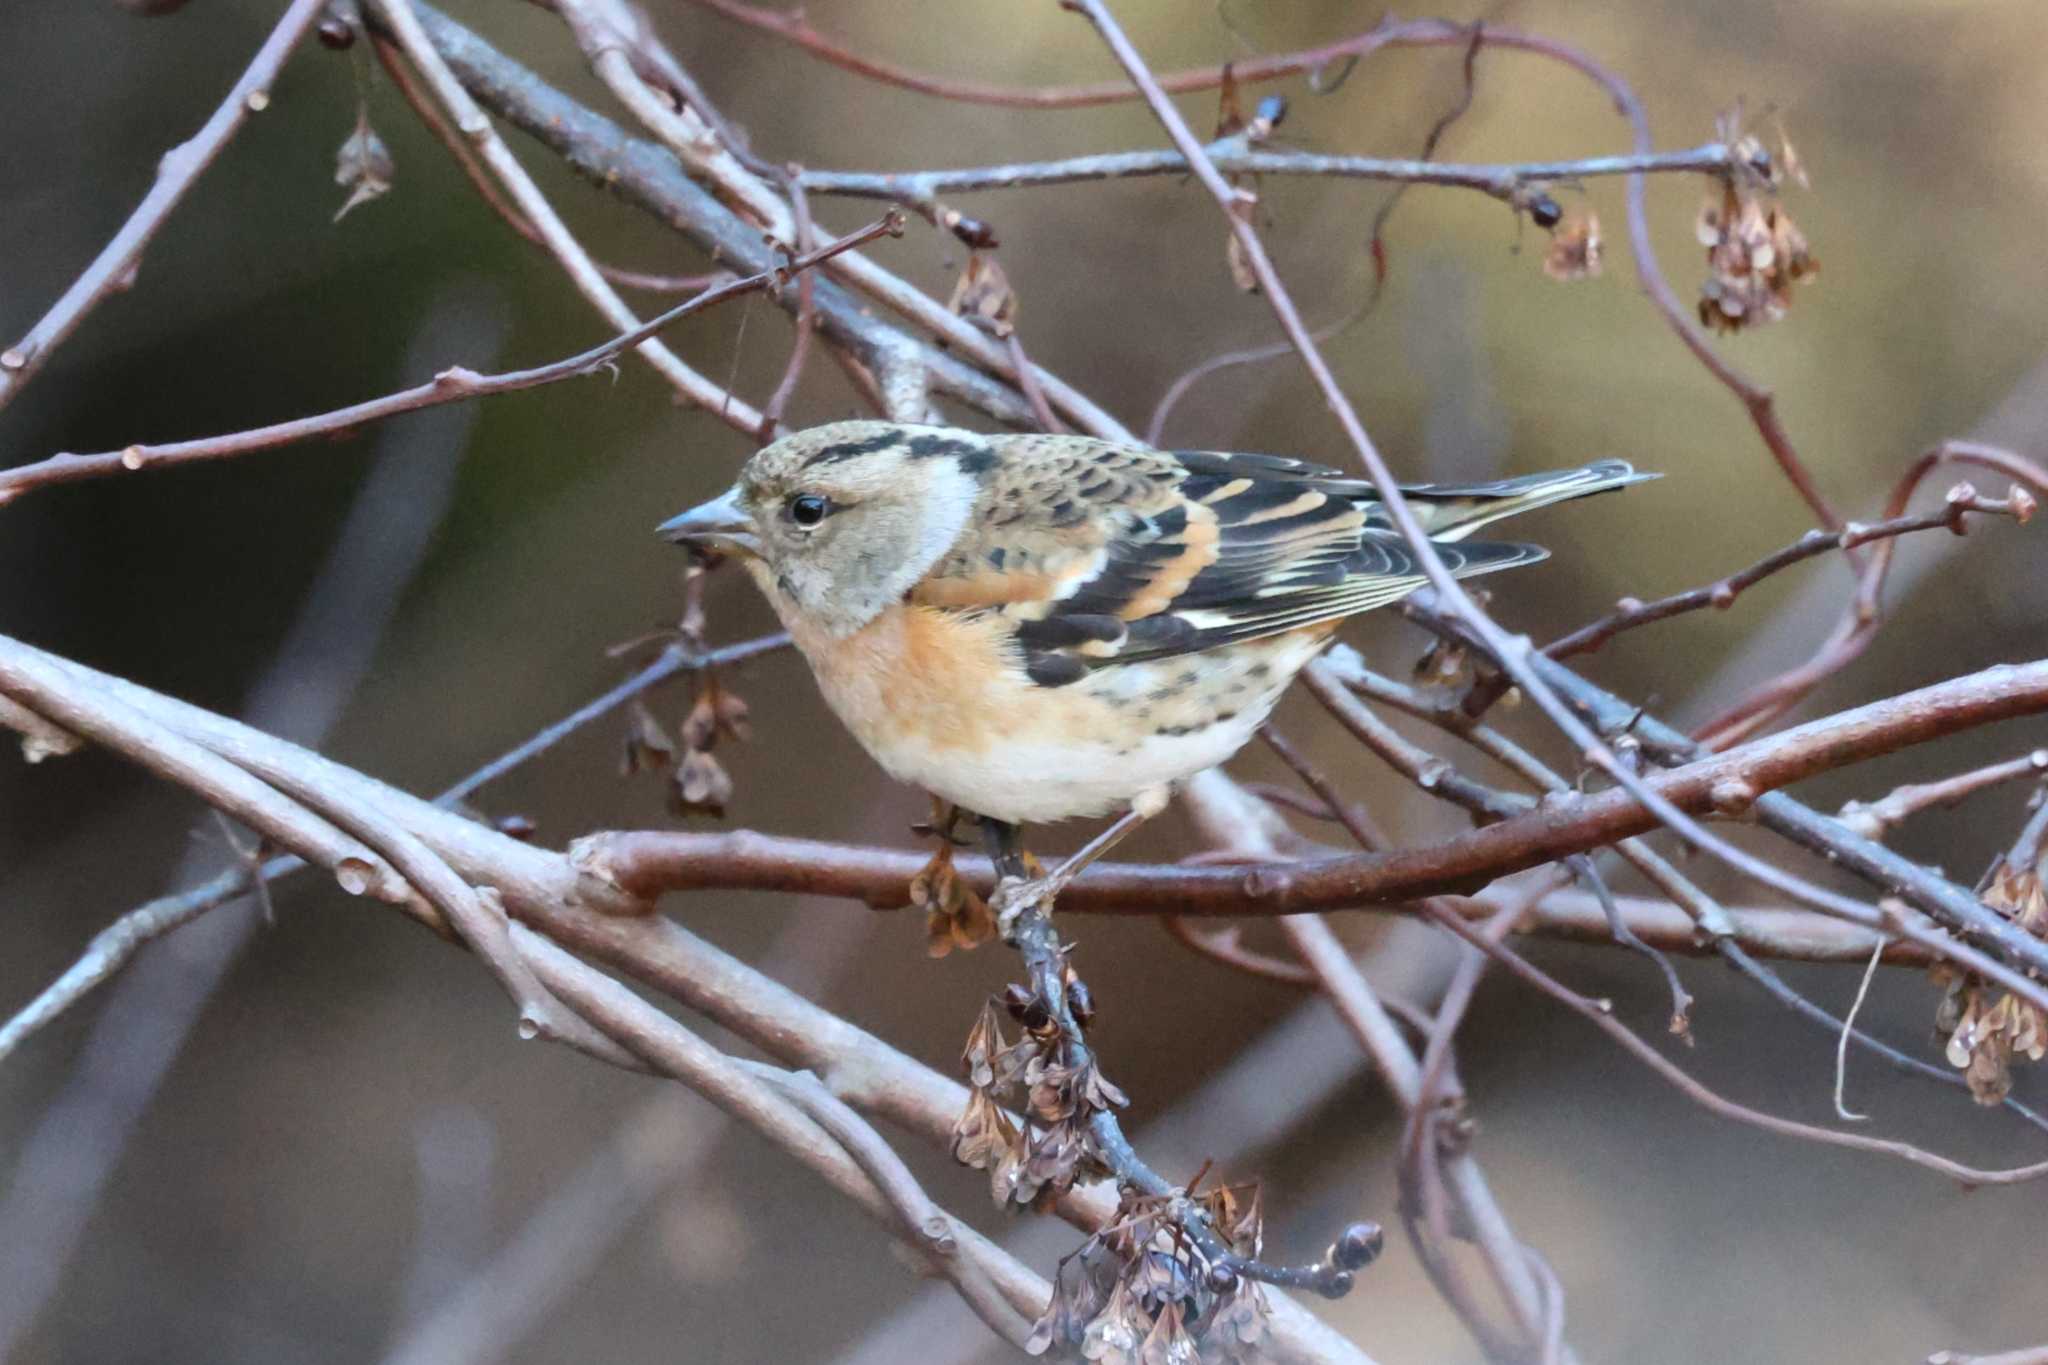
pixel 1450 511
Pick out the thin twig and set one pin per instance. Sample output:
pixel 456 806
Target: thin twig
pixel 404 24
pixel 1630 613
pixel 1235 155
pixel 1875 819
pixel 480 180
pixel 454 384
pixel 1729 933
pixel 114 268
pixel 697 146
pixel 1863 615
pixel 1848 1029
pixel 1512 653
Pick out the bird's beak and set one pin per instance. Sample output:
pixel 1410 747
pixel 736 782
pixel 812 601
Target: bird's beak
pixel 719 526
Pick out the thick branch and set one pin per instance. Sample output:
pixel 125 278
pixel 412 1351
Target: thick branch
pixel 645 864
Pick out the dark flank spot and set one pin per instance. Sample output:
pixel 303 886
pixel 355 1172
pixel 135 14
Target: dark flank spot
pixel 1064 513
pixel 976 462
pixel 1187 679
pixel 1054 670
pixel 852 450
pixel 1222 716
pixel 1159 694
pixel 996 557
pixel 1261 670
pixel 1176 731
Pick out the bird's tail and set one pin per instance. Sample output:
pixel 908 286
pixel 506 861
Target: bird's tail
pixel 1452 511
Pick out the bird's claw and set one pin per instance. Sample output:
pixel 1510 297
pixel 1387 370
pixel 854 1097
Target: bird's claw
pixel 1015 895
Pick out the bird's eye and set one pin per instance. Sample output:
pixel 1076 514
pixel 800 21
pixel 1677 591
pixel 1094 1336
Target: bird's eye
pixel 808 509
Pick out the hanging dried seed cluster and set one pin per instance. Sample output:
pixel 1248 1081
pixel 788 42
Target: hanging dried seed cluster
pixel 955 915
pixel 1058 1086
pixel 1140 1292
pixel 1575 248
pixel 1987 1027
pixel 698 783
pixel 1256 130
pixel 1755 252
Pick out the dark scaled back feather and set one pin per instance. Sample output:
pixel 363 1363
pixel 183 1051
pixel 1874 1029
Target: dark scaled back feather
pixel 1189 550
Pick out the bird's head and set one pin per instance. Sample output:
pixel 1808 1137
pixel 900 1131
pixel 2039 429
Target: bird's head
pixel 838 522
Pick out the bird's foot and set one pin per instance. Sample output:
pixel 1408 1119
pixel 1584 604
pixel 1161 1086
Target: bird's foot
pixel 1015 895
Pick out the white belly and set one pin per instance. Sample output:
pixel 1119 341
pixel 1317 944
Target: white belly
pixel 1123 731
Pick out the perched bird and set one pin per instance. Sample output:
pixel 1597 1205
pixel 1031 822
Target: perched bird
pixel 1036 627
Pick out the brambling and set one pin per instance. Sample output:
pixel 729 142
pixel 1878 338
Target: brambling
pixel 1035 627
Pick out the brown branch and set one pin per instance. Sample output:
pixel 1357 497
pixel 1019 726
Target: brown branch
pixel 1630 613
pixel 451 385
pixel 547 891
pixel 1226 948
pixel 1601 1015
pixel 1875 819
pixel 1864 615
pixel 649 176
pixel 1226 811
pixel 698 147
pixel 1720 930
pixel 399 19
pixel 114 268
pixel 643 864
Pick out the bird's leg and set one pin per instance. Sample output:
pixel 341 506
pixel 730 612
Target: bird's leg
pixel 1015 890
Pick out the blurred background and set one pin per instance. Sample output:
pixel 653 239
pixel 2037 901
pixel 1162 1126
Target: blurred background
pixel 296 1132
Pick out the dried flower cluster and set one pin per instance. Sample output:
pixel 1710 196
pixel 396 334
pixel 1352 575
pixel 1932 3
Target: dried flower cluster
pixel 363 165
pixel 1575 247
pixel 1231 122
pixel 983 295
pixel 1755 252
pixel 698 782
pixel 1986 1028
pixel 1140 1292
pixel 955 915
pixel 1060 1090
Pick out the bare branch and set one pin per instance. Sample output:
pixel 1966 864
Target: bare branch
pixel 114 268
pixel 449 386
pixel 1721 594
pixel 404 24
pixel 1875 819
pixel 1235 155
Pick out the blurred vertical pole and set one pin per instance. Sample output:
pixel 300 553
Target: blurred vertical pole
pixel 55 1185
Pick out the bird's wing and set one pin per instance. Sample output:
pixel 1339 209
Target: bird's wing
pixel 1102 552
